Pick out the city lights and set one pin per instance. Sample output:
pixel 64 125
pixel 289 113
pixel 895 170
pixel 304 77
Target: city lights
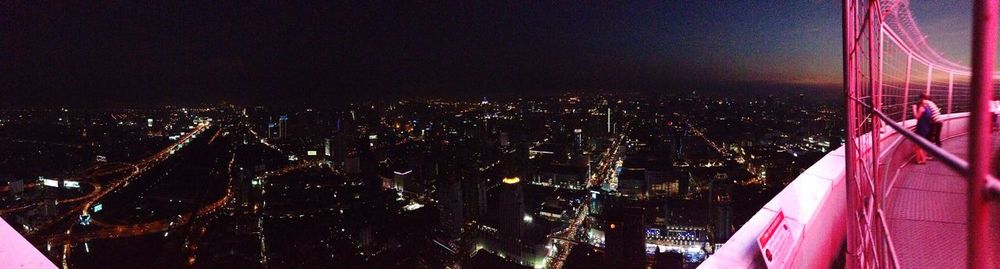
pixel 476 135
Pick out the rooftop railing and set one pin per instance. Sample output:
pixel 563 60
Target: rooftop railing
pixel 888 64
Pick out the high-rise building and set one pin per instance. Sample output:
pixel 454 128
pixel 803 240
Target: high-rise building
pixel 352 165
pixel 50 196
pixel 597 199
pixel 243 186
pixel 724 220
pixel 474 195
pixel 625 237
pixel 721 195
pixel 449 192
pixel 283 126
pixel 511 210
pixel 609 120
pixel 272 130
pixel 504 140
pixel 401 177
pixel 16 188
pixel 680 138
pixel 577 141
pixel 327 147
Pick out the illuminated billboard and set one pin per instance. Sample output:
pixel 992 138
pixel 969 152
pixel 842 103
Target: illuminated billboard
pixel 49 182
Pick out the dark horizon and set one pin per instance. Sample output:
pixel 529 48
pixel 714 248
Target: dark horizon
pixel 83 54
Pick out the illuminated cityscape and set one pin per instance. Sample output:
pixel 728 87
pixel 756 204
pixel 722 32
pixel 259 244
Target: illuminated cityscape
pixel 525 180
pixel 445 135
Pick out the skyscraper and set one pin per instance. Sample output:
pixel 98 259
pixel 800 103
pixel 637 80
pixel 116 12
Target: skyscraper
pixel 680 138
pixel 626 237
pixel 242 186
pixel 449 192
pixel 511 208
pixel 722 218
pixel 327 150
pixel 272 129
pixel 578 141
pixel 597 199
pixel 474 195
pixel 609 120
pixel 283 126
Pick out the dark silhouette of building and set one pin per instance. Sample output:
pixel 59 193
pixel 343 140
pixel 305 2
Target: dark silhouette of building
pixel 243 179
pixel 486 260
pixel 474 195
pixel 668 260
pixel 511 210
pixel 625 237
pixel 584 256
pixel 720 193
pixel 449 192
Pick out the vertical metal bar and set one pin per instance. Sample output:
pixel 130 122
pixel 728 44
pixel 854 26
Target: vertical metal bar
pixel 951 88
pixel 930 70
pixel 906 89
pixel 984 29
pixel 850 158
pixel 875 69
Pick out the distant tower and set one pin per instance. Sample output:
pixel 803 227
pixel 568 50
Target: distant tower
pixel 609 120
pixel 272 129
pixel 680 137
pixel 578 141
pixel 486 114
pixel 283 126
pixel 327 150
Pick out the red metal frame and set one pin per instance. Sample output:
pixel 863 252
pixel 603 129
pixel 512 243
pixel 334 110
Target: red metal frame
pixel 864 22
pixel 853 229
pixel 866 25
pixel 984 36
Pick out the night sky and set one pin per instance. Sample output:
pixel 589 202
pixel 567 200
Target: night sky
pixel 129 53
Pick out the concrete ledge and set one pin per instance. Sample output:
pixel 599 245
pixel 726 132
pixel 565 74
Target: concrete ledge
pixel 16 252
pixel 817 199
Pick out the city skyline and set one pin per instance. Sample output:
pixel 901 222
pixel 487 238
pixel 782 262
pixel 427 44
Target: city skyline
pixel 477 183
pixel 561 135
